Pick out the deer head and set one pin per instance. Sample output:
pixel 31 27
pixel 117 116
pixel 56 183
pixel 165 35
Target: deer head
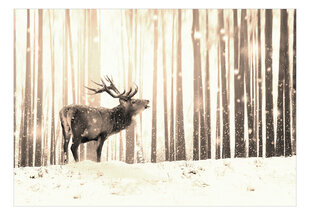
pixel 133 106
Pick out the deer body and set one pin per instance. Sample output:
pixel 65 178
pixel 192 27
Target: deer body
pixel 86 123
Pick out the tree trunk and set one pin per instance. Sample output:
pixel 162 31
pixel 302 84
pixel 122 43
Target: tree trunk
pixel 130 131
pixel 206 153
pixel 260 89
pixel 154 99
pixel 239 84
pixel 218 108
pixel 65 78
pixel 71 54
pixel 249 85
pixel 284 90
pixel 294 90
pixel 15 130
pixel 287 80
pixel 82 79
pixel 165 90
pixel 180 139
pixel 53 143
pixel 27 104
pixel 225 97
pixel 121 144
pixel 197 67
pixel 269 88
pixel 38 152
pixel 93 70
pixel 172 144
pixel 31 126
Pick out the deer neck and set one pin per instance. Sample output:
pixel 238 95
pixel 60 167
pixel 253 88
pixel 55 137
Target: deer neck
pixel 121 118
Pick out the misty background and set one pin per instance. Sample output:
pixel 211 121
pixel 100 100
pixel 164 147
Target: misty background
pixel 222 83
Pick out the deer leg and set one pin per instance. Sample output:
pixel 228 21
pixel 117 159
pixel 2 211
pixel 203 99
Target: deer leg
pixel 101 140
pixel 74 147
pixel 66 136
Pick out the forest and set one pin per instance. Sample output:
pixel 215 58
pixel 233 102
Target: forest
pixel 221 82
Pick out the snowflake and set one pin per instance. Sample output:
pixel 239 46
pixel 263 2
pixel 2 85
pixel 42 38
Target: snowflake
pixel 96 39
pixel 197 35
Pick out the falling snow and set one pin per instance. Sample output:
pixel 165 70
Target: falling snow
pixel 197 35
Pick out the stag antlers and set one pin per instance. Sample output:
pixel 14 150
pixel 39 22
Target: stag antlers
pixel 112 90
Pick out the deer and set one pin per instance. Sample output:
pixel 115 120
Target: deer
pixel 87 123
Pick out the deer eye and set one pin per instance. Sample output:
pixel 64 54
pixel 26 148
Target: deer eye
pixel 133 102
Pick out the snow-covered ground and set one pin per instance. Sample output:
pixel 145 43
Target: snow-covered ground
pixel 248 181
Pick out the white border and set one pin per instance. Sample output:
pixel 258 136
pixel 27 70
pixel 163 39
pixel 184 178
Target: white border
pixel 6 116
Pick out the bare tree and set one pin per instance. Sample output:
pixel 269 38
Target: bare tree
pixel 225 81
pixel 121 144
pixel 93 68
pixel 206 153
pixel 294 90
pixel 165 89
pixel 172 144
pixel 197 67
pixel 53 146
pixel 154 99
pixel 260 89
pixel 65 77
pixel 27 96
pixel 283 119
pixel 249 85
pixel 239 84
pixel 82 76
pixel 269 88
pixel 180 139
pixel 38 152
pixel 15 129
pixel 284 62
pixel 218 109
pixel 130 132
pixel 68 23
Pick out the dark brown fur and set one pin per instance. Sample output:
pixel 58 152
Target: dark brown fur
pixel 86 123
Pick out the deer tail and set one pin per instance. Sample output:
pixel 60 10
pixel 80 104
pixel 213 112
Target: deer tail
pixel 65 118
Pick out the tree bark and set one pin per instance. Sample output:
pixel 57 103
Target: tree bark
pixel 68 22
pixel 82 79
pixel 53 146
pixel 260 89
pixel 38 153
pixel 130 131
pixel 172 144
pixel 15 129
pixel 27 104
pixel 225 97
pixel 294 90
pixel 250 89
pixel 154 99
pixel 218 109
pixel 269 89
pixel 93 70
pixel 197 65
pixel 206 153
pixel 283 119
pixel 180 139
pixel 239 85
pixel 165 90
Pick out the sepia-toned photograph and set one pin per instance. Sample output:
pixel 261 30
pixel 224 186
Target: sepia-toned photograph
pixel 154 107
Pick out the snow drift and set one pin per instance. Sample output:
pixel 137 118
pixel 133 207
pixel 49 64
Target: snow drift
pixel 247 181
